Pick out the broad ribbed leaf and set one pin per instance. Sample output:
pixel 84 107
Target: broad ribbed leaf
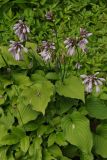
pixel 71 87
pixel 14 137
pixel 52 76
pixel 24 144
pixel 65 104
pixel 100 140
pixel 35 149
pixel 47 155
pixel 57 138
pixel 55 151
pixel 77 132
pixel 51 139
pixel 6 57
pixel 21 79
pixel 7 118
pixel 39 95
pixel 25 112
pixel 31 126
pixel 9 140
pixel 96 108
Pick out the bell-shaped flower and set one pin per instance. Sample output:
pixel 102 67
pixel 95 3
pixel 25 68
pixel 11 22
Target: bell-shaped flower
pixel 70 45
pixel 92 80
pixel 84 33
pixel 16 49
pixel 47 50
pixel 82 44
pixel 46 56
pixel 21 30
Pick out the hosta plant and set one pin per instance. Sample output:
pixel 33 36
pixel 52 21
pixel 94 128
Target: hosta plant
pixel 53 93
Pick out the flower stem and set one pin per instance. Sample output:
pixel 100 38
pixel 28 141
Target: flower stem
pixel 64 71
pixel 57 47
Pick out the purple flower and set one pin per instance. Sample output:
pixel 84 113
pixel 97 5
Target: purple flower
pixel 49 16
pixel 83 39
pixel 82 44
pixel 70 45
pixel 21 30
pixel 92 80
pixel 48 45
pixel 84 33
pixel 16 50
pixel 47 50
pixel 45 55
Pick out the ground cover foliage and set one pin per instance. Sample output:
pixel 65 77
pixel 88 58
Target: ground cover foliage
pixel 53 71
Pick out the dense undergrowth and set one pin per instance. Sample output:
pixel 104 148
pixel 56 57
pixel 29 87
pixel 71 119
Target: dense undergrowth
pixel 53 71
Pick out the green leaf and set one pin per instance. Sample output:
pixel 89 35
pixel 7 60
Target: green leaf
pixel 85 156
pixel 23 111
pixel 5 81
pixel 7 118
pixel 47 155
pixel 38 76
pixel 2 97
pixel 52 76
pixel 100 140
pixel 65 104
pixel 29 44
pixel 42 129
pixel 10 156
pixel 3 151
pixel 70 151
pixel 60 140
pixel 55 151
pixel 57 138
pixel 51 139
pixel 21 79
pixel 18 132
pixel 96 108
pixel 31 126
pixel 76 129
pixel 71 87
pixel 24 144
pixel 35 149
pixel 6 57
pixel 39 95
pixel 14 137
pixel 9 140
pixel 3 130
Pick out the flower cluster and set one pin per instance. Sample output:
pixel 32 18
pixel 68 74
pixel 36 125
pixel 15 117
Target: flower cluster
pixel 92 80
pixel 21 30
pixel 47 50
pixel 16 48
pixel 70 45
pixel 80 42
